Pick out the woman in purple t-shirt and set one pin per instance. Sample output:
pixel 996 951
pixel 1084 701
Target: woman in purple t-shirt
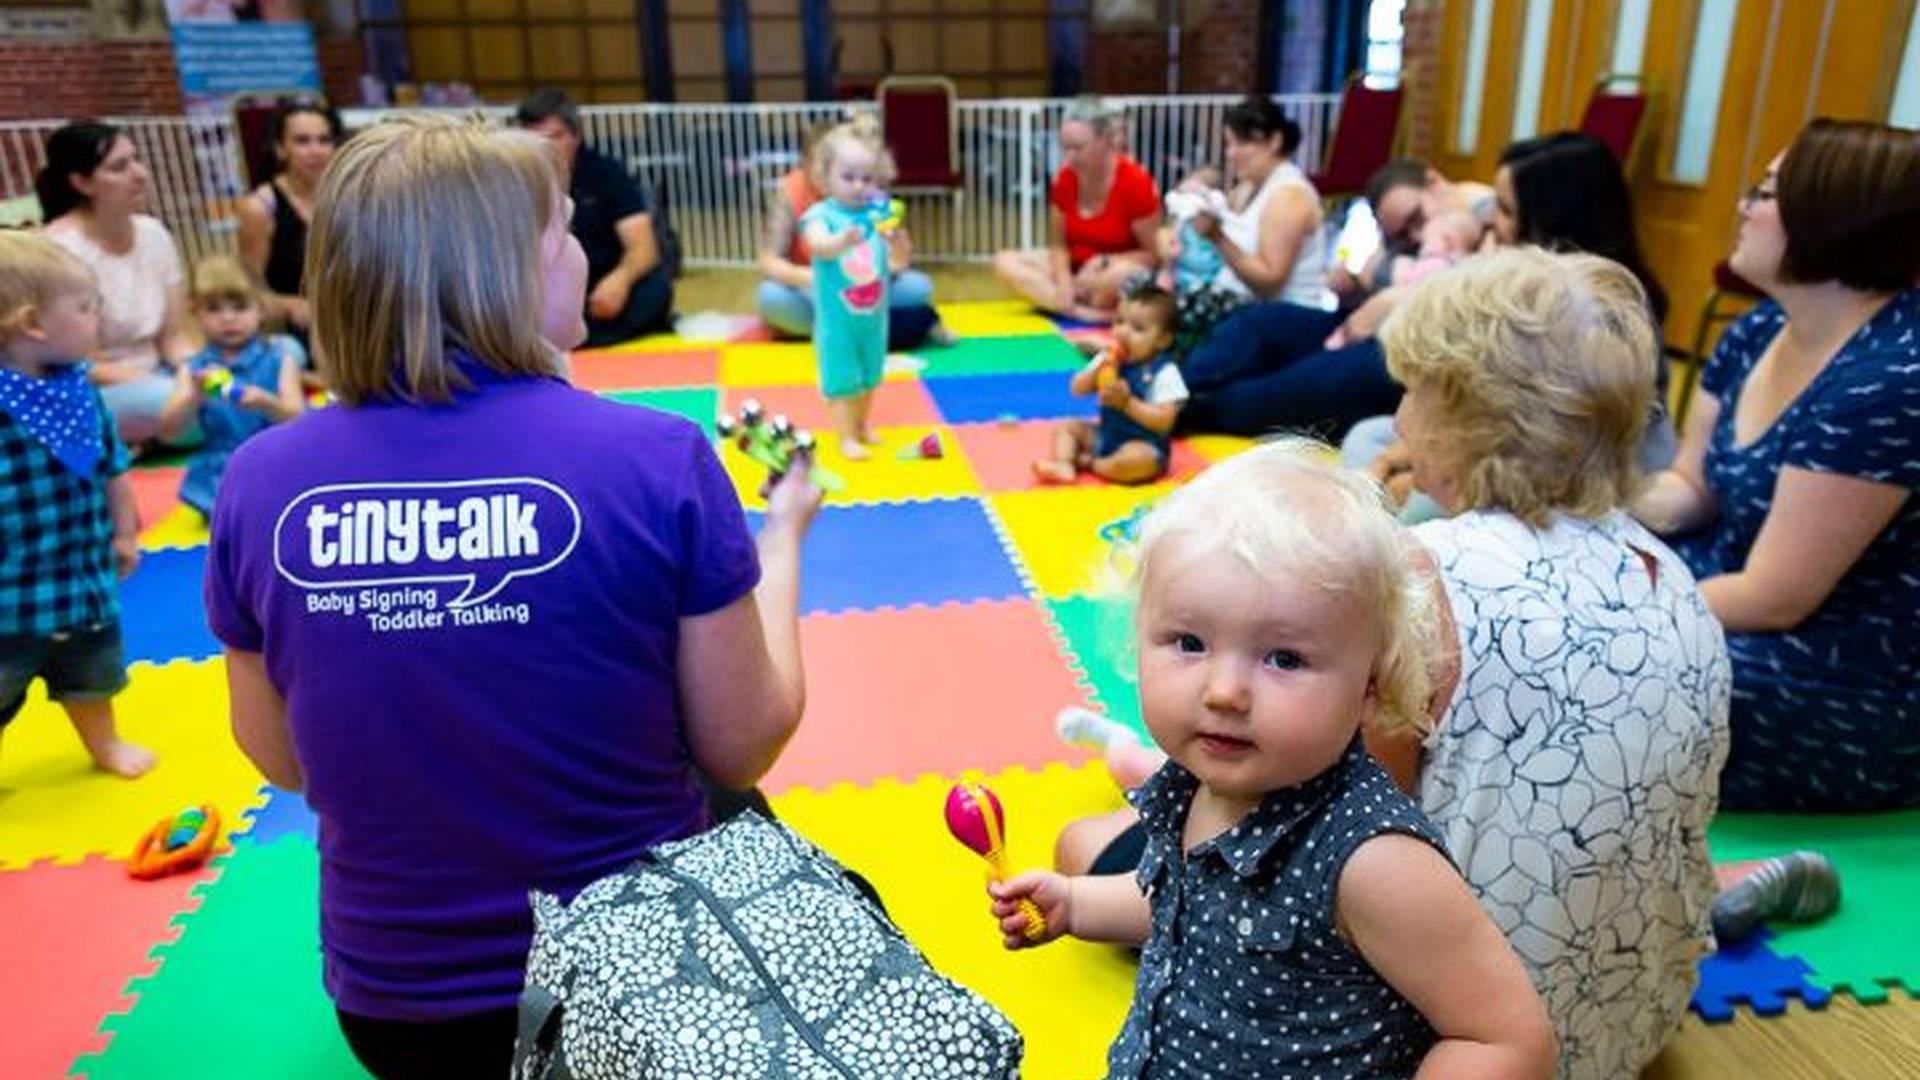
pixel 494 627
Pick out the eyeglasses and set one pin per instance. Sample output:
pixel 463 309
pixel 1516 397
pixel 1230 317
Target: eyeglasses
pixel 1758 194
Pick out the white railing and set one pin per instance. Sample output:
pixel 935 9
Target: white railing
pixel 194 162
pixel 715 165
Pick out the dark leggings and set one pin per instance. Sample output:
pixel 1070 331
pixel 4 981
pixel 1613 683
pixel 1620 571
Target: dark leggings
pixel 1263 370
pixel 649 309
pixel 481 1044
pixel 477 1045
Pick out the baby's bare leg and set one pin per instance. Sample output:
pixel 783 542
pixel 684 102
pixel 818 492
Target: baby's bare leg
pixel 1135 462
pixel 93 720
pixel 1072 447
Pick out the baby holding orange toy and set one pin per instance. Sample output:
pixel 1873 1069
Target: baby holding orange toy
pixel 1141 392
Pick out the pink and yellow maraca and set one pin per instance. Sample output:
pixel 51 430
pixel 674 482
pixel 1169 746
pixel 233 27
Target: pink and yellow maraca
pixel 975 818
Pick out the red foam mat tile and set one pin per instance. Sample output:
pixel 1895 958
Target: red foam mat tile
pixel 645 371
pixel 902 403
pixel 1003 454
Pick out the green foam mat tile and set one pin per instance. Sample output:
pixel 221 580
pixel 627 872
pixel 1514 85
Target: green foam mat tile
pixel 239 994
pixel 1000 356
pixel 1873 940
pixel 699 404
pixel 1099 633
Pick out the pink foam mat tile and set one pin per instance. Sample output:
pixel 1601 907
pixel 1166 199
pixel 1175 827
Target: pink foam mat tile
pixel 71 939
pixel 1003 453
pixel 902 692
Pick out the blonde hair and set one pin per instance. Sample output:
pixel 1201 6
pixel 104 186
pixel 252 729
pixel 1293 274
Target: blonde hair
pixel 1093 111
pixel 34 271
pixel 1540 368
pixel 863 131
pixel 1285 506
pixel 426 235
pixel 221 277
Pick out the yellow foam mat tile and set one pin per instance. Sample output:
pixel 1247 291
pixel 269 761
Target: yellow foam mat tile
pixel 55 805
pixel 779 363
pixel 882 478
pixel 183 527
pixel 1067 998
pixel 1219 447
pixel 1055 532
pixel 995 318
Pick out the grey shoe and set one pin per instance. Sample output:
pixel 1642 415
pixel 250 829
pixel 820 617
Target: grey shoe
pixel 1800 887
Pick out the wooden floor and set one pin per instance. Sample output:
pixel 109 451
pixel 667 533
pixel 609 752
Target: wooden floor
pixel 1843 1040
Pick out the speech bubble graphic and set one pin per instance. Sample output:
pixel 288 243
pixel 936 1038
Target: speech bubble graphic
pixel 483 533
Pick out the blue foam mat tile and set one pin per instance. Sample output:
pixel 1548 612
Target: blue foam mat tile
pixel 1749 972
pixel 1069 324
pixel 893 555
pixel 976 399
pixel 162 615
pixel 284 814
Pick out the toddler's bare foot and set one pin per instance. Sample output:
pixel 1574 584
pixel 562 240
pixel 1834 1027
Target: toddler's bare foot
pixel 1053 472
pixel 852 450
pixel 868 438
pixel 123 759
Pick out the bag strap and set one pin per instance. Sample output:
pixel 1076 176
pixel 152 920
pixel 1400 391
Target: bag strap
pixel 539 1031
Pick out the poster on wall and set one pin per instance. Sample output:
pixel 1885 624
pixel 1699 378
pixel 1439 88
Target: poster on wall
pixel 223 49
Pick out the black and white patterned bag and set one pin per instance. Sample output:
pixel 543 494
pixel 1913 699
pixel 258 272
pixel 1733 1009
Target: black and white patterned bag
pixel 743 952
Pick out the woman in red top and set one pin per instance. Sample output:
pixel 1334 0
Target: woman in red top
pixel 1100 226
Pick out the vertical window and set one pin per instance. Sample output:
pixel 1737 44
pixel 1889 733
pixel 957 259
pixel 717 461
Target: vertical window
pixel 1533 69
pixel 1386 33
pixel 1706 77
pixel 1466 125
pixel 1630 37
pixel 1906 92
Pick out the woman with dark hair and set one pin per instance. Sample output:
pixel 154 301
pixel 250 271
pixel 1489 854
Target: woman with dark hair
pixel 1264 244
pixel 273 219
pixel 1792 494
pixel 91 191
pixel 1268 366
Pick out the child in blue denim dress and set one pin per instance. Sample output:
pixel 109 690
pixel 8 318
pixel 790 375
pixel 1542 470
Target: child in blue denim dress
pixel 242 383
pixel 1140 391
pixel 1298 915
pixel 67 515
pixel 851 165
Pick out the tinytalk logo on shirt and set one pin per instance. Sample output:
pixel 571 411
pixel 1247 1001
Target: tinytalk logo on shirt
pixel 388 552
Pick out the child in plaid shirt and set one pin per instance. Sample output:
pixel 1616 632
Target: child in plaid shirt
pixel 67 517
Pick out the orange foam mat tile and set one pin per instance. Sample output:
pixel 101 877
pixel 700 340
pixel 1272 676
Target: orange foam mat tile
pixel 1068 998
pixel 73 937
pixel 603 370
pixel 962 686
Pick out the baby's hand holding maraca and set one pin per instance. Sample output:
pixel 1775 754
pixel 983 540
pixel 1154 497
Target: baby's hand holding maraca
pixel 1036 895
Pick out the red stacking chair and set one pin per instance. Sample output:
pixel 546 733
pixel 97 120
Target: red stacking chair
pixel 1736 293
pixel 1362 139
pixel 1614 116
pixel 920 125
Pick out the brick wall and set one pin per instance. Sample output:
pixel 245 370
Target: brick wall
pixel 1220 47
pixel 342 62
pixel 1219 51
pixel 44 79
pixel 1419 73
pixel 51 79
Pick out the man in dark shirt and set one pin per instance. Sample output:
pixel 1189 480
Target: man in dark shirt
pixel 630 255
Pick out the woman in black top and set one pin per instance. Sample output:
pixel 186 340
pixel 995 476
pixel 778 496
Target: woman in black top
pixel 273 219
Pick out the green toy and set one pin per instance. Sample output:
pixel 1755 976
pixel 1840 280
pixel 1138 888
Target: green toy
pixel 775 443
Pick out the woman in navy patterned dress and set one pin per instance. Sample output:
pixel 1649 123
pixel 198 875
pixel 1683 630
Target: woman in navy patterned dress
pixel 1791 498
